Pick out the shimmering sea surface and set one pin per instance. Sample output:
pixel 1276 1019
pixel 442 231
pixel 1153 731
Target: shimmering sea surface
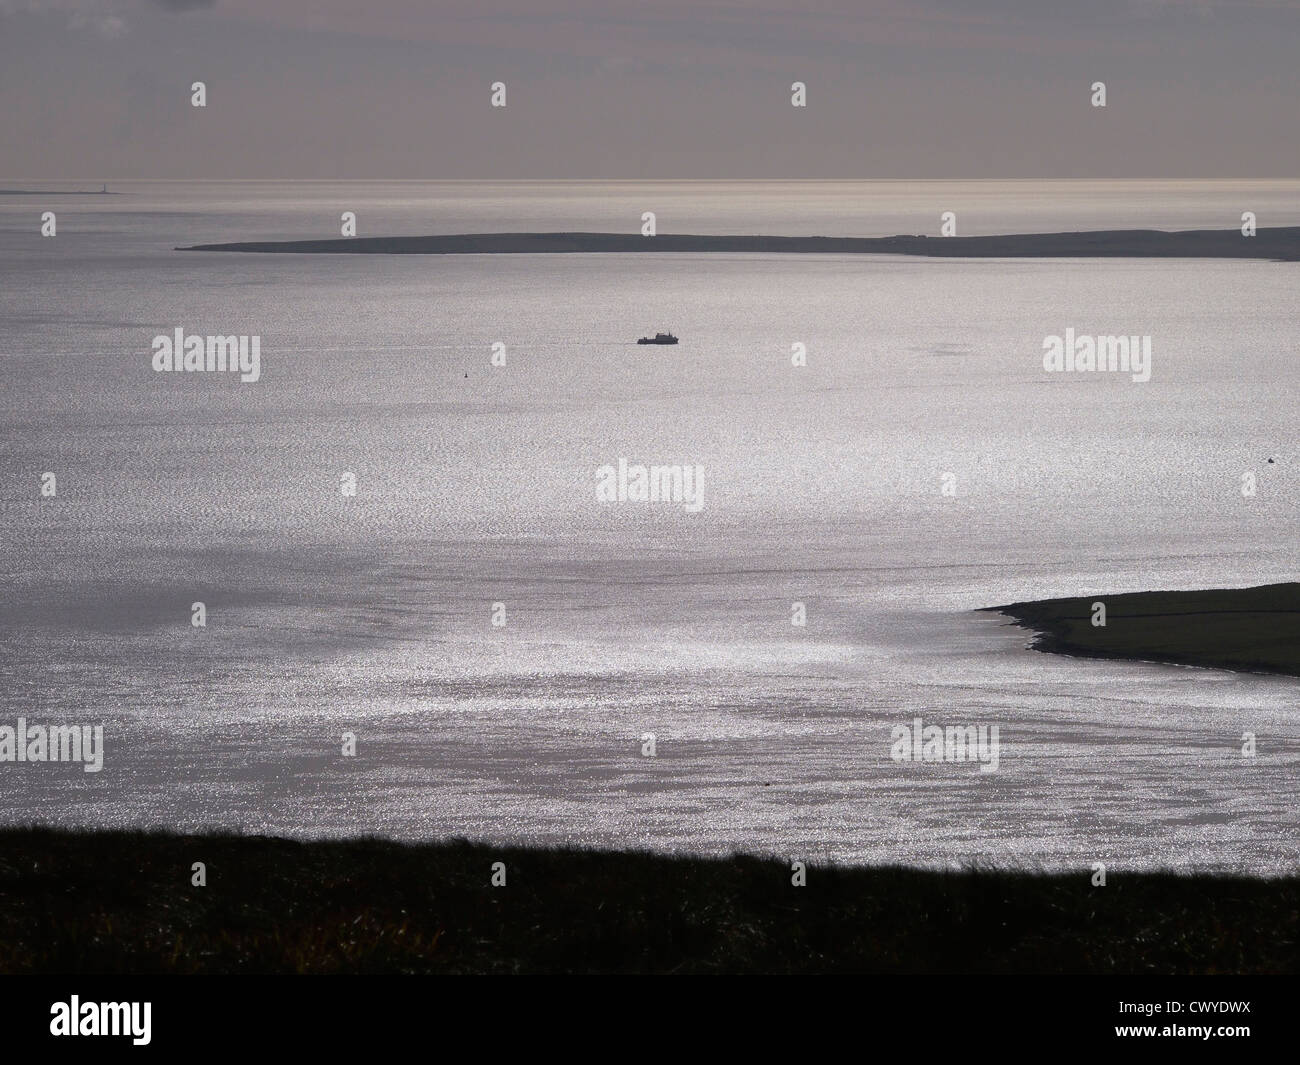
pixel 476 485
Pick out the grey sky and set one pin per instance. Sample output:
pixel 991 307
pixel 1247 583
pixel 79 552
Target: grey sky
pixel 674 89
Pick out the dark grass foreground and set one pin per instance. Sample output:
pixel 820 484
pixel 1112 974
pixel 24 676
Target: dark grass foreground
pixel 122 903
pixel 1254 630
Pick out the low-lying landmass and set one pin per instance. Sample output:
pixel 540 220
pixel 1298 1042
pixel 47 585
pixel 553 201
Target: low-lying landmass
pixel 124 902
pixel 62 192
pixel 1254 630
pixel 1278 243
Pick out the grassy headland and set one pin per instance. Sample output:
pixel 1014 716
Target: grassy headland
pixel 122 902
pixel 1277 243
pixel 1253 630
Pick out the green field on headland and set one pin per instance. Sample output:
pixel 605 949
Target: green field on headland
pixel 1278 243
pixel 123 902
pixel 1247 629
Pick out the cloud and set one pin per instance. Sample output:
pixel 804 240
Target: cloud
pixel 104 25
pixel 180 6
pixel 108 18
pixel 99 16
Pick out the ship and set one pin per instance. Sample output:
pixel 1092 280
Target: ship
pixel 659 338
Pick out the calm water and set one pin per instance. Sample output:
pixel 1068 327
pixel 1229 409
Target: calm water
pixel 476 485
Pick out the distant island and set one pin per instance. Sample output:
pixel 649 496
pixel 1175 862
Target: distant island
pixel 1282 244
pixel 1253 630
pixel 65 192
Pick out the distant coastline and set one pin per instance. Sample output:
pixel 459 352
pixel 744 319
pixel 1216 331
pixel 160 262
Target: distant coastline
pixel 64 192
pixel 1280 244
pixel 1248 630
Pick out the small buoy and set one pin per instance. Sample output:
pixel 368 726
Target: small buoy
pixel 1270 462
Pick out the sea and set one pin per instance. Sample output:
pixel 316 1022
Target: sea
pixel 510 658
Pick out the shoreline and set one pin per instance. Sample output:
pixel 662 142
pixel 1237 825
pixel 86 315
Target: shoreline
pixel 61 192
pixel 367 905
pixel 1244 630
pixel 1280 245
